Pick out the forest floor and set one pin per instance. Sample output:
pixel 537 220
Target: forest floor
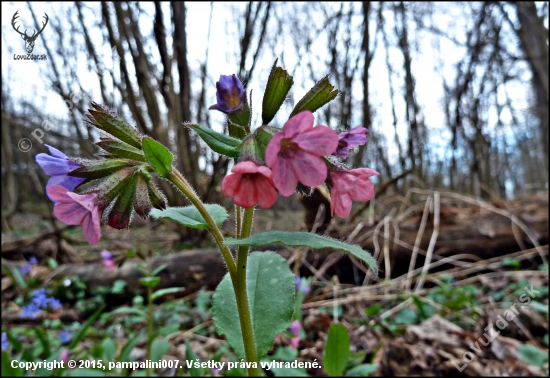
pixel 486 317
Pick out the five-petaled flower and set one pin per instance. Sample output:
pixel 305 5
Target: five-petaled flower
pixel 348 186
pixel 350 139
pixel 58 166
pixel 230 94
pixel 75 209
pixel 294 153
pixel 250 184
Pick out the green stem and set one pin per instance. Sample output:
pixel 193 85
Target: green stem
pixel 238 214
pixel 238 276
pixel 181 183
pixel 242 298
pixel 149 326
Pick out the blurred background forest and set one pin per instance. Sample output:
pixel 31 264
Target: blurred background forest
pixel 455 97
pixel 457 93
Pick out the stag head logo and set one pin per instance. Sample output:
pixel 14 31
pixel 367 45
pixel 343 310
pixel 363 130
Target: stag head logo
pixel 29 39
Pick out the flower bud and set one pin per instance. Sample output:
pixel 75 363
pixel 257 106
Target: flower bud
pixel 230 94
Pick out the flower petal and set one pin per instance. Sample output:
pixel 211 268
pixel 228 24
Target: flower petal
pixel 284 177
pixel 363 191
pixel 230 184
pixel 55 152
pixel 91 229
pixel 298 124
pixel 364 172
pixel 320 141
pixel 58 193
pixel 266 193
pixel 68 182
pixel 70 213
pixel 273 148
pixel 54 166
pixel 340 204
pixel 309 169
pixel 246 195
pixel 85 200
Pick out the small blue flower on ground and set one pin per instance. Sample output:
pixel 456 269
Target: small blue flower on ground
pixel 65 336
pixel 5 342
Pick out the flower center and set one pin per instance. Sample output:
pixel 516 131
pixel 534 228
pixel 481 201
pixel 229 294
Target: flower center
pixel 288 148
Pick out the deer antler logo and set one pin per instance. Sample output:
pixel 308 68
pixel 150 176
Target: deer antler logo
pixel 29 39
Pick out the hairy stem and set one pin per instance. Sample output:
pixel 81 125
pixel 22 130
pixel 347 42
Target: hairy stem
pixel 236 272
pixel 181 183
pixel 241 295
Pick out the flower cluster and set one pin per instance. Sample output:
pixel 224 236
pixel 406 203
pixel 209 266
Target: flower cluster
pixel 295 155
pixel 39 302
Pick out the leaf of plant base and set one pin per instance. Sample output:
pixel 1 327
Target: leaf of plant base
pixel 218 142
pixel 157 156
pixel 307 239
pixel 322 93
pixel 189 215
pixel 270 289
pixel 276 89
pixel 336 350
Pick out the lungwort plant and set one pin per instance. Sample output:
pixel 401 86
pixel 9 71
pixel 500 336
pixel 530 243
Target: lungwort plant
pixel 255 300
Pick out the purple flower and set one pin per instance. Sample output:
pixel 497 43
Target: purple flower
pixel 65 336
pixel 230 94
pixel 350 139
pixel 26 268
pixel 301 285
pixel 295 327
pixel 106 255
pixel 58 166
pixel 5 342
pixel 38 302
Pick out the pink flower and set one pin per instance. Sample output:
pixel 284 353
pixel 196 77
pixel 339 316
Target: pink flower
pixel 348 186
pixel 75 209
pixel 295 341
pixel 64 355
pixel 250 184
pixel 294 153
pixel 295 327
pixel 109 265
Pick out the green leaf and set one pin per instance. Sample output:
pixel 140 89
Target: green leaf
pixel 7 369
pixel 191 356
pixel 129 310
pixel 276 90
pixel 540 307
pixel 363 370
pixel 189 215
pixel 109 349
pixel 80 335
pixel 157 156
pixel 336 350
pixel 85 373
pixel 168 290
pixel 41 335
pixel 158 269
pixel 158 349
pixel 107 120
pixel 310 240
pixel 322 93
pixel 406 317
pixel 16 276
pixel 533 355
pixel 149 281
pixel 120 149
pixel 270 288
pixel 512 263
pixel 127 348
pixel 218 142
